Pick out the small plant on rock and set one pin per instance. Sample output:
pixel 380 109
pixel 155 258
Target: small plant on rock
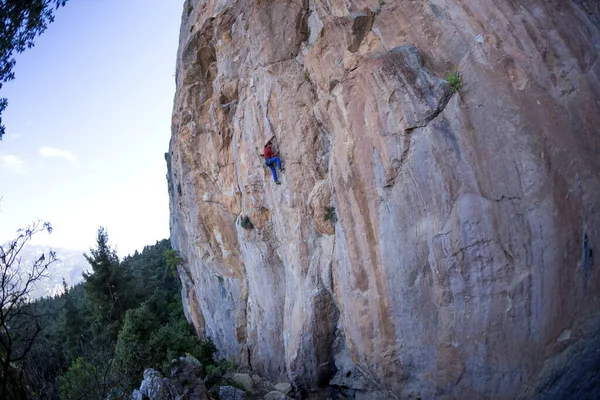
pixel 454 82
pixel 172 259
pixel 226 365
pixel 237 385
pixel 330 214
pixel 246 223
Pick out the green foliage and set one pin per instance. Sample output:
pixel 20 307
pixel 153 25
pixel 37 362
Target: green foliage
pixel 75 352
pixel 215 373
pixel 226 365
pixel 80 381
pixel 133 352
pixel 73 323
pixel 237 385
pixel 173 260
pixel 206 353
pixel 246 223
pixel 307 77
pixel 330 214
pixel 144 342
pixel 20 22
pixel 151 269
pixel 104 286
pixel 454 81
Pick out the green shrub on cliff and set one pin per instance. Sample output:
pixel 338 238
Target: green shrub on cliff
pixel 173 260
pixel 454 82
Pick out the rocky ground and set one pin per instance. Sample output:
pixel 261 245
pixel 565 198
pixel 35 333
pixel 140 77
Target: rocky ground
pixel 188 379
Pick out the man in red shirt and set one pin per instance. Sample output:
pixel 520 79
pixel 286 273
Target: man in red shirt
pixel 270 159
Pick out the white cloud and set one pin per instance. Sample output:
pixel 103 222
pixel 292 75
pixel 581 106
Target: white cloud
pixel 12 163
pixel 52 152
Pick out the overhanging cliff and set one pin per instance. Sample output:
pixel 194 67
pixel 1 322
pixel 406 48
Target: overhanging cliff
pixel 460 258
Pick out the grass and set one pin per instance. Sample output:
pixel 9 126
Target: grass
pixel 454 82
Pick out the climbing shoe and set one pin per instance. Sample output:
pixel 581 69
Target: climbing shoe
pixel 277 183
pixel 281 169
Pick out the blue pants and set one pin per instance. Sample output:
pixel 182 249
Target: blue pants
pixel 269 163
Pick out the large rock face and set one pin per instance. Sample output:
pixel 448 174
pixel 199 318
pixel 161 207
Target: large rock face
pixel 460 259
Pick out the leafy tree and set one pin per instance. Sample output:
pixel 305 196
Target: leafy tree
pixel 144 342
pixel 19 320
pixel 20 22
pixel 82 380
pixel 133 352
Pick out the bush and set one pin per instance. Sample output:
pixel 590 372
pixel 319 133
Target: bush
pixel 206 354
pixel 172 260
pixel 226 365
pixel 454 82
pixel 134 352
pixel 79 380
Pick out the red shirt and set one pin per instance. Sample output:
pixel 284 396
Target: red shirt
pixel 269 153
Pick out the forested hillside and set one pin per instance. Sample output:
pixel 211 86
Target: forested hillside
pixel 97 337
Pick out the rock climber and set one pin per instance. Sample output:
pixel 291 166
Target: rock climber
pixel 271 158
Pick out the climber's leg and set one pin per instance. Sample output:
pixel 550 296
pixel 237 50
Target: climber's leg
pixel 270 164
pixel 278 161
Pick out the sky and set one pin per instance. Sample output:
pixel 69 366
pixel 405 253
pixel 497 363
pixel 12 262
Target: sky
pixel 88 123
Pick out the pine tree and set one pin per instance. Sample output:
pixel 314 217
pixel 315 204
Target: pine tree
pixel 72 324
pixel 103 289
